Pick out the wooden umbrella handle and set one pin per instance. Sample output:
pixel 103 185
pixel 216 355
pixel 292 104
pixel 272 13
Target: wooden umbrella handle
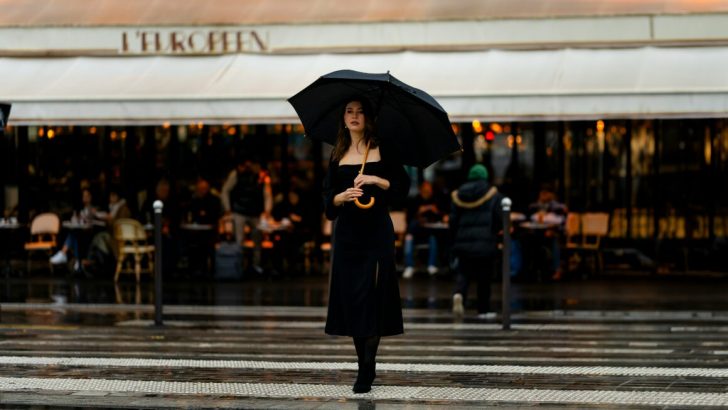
pixel 361 171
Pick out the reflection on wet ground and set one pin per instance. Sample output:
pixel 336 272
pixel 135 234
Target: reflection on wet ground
pixel 608 342
pixel 420 293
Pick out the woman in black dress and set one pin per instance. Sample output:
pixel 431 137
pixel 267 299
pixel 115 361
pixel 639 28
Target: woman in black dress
pixel 364 298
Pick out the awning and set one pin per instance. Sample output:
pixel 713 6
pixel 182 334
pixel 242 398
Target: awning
pixel 488 85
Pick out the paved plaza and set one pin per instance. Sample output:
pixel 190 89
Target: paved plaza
pixel 65 354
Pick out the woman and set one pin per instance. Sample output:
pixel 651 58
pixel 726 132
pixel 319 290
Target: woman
pixel 364 292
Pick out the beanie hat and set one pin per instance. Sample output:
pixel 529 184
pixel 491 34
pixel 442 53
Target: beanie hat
pixel 478 171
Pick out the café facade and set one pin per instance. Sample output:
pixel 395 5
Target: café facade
pixel 621 107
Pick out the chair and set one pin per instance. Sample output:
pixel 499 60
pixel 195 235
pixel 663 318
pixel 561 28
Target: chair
pixel 131 240
pixel 399 222
pixel 324 247
pixel 572 230
pixel 43 234
pixel 594 226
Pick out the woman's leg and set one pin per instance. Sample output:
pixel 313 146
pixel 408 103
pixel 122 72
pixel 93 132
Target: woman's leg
pixel 366 350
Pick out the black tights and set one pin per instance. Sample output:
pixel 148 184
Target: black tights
pixel 366 352
pixel 366 349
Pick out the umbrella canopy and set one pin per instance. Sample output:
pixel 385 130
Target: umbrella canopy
pixel 409 120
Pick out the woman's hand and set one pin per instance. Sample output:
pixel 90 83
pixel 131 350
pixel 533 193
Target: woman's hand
pixel 347 196
pixel 363 179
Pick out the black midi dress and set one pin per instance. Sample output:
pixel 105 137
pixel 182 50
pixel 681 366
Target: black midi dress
pixel 364 289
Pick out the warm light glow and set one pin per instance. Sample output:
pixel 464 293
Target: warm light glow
pixel 519 140
pixel 51 134
pixel 510 141
pixel 199 125
pixel 600 126
pixel 231 131
pixel 165 125
pixel 113 135
pixel 92 130
pixel 123 135
pixel 490 136
pixel 496 128
pixel 41 132
pixel 477 126
pixel 455 129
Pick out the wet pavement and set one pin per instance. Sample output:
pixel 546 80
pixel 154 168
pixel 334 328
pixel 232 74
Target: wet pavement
pixel 615 342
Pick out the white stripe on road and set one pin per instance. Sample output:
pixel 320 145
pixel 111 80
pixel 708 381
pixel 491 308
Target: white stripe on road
pixel 339 346
pixel 555 327
pixel 320 311
pixel 298 391
pixel 396 367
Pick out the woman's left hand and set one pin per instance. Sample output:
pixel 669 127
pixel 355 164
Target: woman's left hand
pixel 363 179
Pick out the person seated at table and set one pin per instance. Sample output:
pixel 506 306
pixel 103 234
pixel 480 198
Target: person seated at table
pixel 70 244
pixel 289 211
pixel 170 222
pixel 204 210
pixel 101 253
pixel 421 210
pixel 548 211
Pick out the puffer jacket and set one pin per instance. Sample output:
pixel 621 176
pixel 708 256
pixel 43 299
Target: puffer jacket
pixel 476 219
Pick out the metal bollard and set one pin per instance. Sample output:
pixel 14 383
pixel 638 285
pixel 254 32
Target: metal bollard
pixel 506 304
pixel 158 206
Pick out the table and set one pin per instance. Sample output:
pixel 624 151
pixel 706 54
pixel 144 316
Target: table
pixel 194 227
pixel 82 226
pixel 436 225
pixel 535 226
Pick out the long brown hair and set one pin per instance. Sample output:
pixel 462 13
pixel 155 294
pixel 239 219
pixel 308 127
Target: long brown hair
pixel 343 137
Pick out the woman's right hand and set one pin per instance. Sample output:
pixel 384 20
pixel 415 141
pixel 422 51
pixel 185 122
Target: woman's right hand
pixel 347 196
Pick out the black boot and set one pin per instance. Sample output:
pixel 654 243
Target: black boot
pixel 360 385
pixel 366 348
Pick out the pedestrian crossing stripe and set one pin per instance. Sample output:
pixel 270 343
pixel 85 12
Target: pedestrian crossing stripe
pixel 338 346
pixel 326 391
pixel 395 367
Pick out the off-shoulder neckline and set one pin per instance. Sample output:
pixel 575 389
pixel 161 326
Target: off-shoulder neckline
pixel 358 165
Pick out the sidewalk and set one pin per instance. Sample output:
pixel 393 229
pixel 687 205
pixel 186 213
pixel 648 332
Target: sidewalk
pixel 604 293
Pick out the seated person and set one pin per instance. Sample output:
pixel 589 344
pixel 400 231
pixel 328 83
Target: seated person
pixel 101 252
pixel 421 210
pixel 85 215
pixel 548 210
pixel 289 211
pixel 205 208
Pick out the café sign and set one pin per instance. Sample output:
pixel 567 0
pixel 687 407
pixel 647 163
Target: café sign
pixel 193 41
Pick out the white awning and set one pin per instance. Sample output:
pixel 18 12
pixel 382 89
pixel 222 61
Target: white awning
pixel 485 85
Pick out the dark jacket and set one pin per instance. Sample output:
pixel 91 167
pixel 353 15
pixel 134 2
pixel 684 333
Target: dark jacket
pixel 476 219
pixel 246 198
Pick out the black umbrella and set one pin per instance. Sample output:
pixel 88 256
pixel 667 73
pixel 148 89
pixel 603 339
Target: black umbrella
pixel 4 114
pixel 410 120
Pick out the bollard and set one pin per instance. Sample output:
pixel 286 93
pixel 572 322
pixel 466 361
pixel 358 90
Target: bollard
pixel 506 305
pixel 158 205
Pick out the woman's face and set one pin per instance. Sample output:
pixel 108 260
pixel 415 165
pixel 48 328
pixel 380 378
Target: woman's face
pixel 354 117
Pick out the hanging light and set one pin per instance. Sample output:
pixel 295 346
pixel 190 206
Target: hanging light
pixel 477 126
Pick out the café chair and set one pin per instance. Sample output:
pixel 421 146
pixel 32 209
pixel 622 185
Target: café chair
pixel 399 223
pixel 131 241
pixel 324 247
pixel 43 234
pixel 584 233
